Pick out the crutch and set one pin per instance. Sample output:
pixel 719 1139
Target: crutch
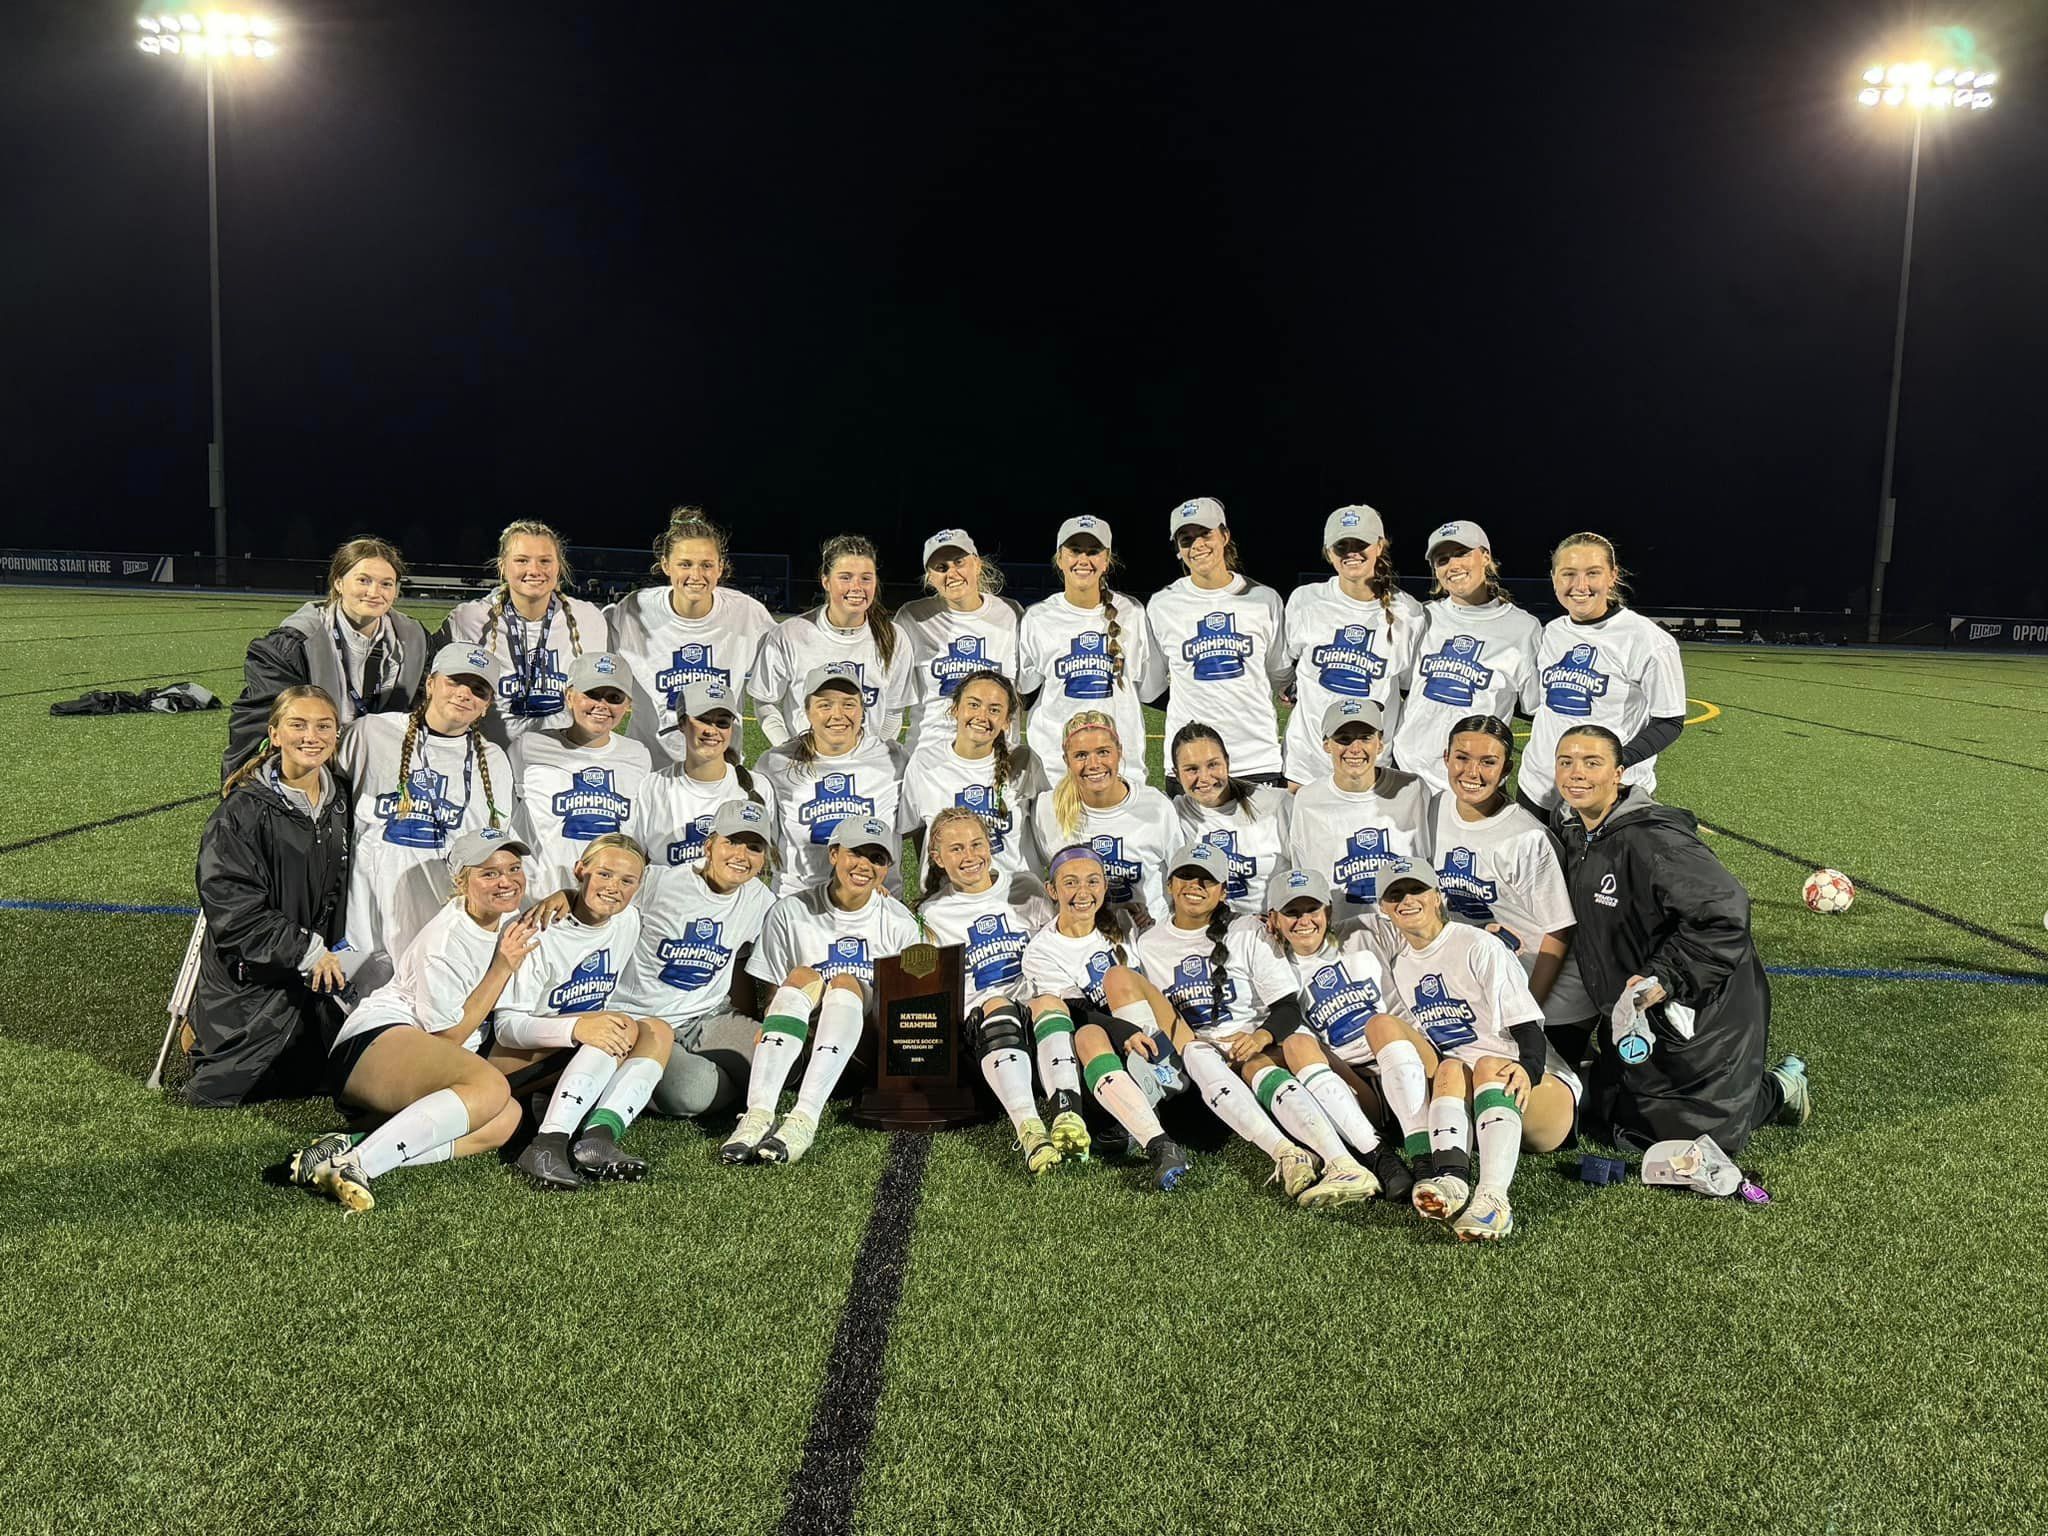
pixel 180 1004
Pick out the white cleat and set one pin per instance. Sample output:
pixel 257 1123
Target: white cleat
pixel 1441 1196
pixel 1343 1182
pixel 792 1139
pixel 747 1136
pixel 1487 1219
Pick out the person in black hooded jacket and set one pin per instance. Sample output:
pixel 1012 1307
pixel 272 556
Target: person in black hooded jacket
pixel 273 888
pixel 1659 916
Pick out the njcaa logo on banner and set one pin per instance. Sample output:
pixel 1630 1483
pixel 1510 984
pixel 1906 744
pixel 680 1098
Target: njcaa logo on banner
pixel 1086 671
pixel 994 952
pixel 836 798
pixel 690 846
pixel 1357 871
pixel 1466 893
pixel 1572 682
pixel 1218 651
pixel 964 656
pixel 1339 1007
pixel 589 986
pixel 1447 1020
pixel 431 814
pixel 1243 867
pixel 1191 992
pixel 694 957
pixel 981 799
pixel 1453 675
pixel 535 690
pixel 591 806
pixel 1121 873
pixel 1348 666
pixel 848 956
pixel 692 663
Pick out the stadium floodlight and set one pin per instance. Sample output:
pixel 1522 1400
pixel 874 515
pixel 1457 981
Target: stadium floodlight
pixel 1966 77
pixel 1944 76
pixel 1895 95
pixel 214 38
pixel 1868 96
pixel 1874 75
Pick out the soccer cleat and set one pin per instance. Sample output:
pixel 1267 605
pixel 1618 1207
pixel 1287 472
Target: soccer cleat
pixel 1070 1135
pixel 1169 1163
pixel 744 1144
pixel 792 1139
pixel 1037 1146
pixel 1295 1168
pixel 1395 1181
pixel 307 1162
pixel 1441 1196
pixel 1798 1106
pixel 1343 1181
pixel 546 1162
pixel 1485 1219
pixel 345 1182
pixel 597 1156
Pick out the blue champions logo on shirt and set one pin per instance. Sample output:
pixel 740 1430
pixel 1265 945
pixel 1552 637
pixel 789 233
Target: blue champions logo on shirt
pixel 1189 989
pixel 981 799
pixel 1123 874
pixel 847 955
pixel 1357 871
pixel 964 656
pixel 994 952
pixel 694 958
pixel 1453 675
pixel 1244 868
pixel 1447 1020
pixel 691 663
pixel 1087 671
pixel 591 806
pixel 589 986
pixel 1340 1005
pixel 1099 965
pixel 1466 893
pixel 535 691
pixel 1572 682
pixel 1218 652
pixel 688 848
pixel 836 797
pixel 1348 666
pixel 426 823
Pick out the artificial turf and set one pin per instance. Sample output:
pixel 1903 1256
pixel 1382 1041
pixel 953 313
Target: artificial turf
pixel 195 1349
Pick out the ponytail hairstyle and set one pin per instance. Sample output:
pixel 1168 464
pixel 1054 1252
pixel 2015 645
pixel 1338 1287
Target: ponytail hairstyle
pixel 1621 591
pixel 1066 795
pixel 1219 956
pixel 1238 791
pixel 285 699
pixel 355 551
pixel 500 600
pixel 1488 725
pixel 1005 758
pixel 472 745
pixel 1112 631
pixel 689 523
pixel 853 546
pixel 934 879
pixel 1382 581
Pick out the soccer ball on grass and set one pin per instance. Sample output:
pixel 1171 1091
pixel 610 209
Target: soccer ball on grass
pixel 1829 891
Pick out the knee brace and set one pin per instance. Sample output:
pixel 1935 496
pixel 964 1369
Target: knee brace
pixel 998 1027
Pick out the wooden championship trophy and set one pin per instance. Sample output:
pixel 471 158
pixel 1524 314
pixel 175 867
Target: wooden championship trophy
pixel 923 1080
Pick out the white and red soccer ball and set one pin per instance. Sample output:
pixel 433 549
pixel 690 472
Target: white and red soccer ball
pixel 1829 891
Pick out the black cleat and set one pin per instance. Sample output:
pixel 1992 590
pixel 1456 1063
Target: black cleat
pixel 597 1156
pixel 546 1162
pixel 1169 1163
pixel 1386 1165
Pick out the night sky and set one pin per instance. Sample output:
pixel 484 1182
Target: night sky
pixel 891 267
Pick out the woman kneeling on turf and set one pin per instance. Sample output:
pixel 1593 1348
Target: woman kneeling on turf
pixel 1077 965
pixel 819 949
pixel 559 1001
pixel 410 1050
pixel 1495 1081
pixel 992 917
pixel 1235 998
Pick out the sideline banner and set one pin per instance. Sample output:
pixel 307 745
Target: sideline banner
pixel 82 565
pixel 1971 629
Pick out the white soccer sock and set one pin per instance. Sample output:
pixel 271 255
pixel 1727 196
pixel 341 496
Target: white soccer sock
pixel 436 1120
pixel 628 1092
pixel 577 1090
pixel 838 1033
pixel 1342 1106
pixel 1057 1067
pixel 1118 1092
pixel 1406 1086
pixel 1008 1072
pixel 1499 1133
pixel 1300 1116
pixel 440 1154
pixel 782 1040
pixel 1233 1103
pixel 1450 1125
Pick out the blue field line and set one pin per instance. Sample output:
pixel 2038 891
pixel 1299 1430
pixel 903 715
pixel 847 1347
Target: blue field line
pixel 108 908
pixel 1866 973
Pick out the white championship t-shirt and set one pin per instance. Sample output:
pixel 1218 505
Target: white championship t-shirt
pixel 939 777
pixel 1134 839
pixel 807 641
pixel 666 651
pixel 1064 655
pixel 1622 672
pixel 1346 837
pixel 574 969
pixel 810 799
pixel 676 811
pixel 946 648
pixel 1058 966
pixel 682 968
pixel 807 929
pixel 993 927
pixel 1253 836
pixel 1226 651
pixel 1176 961
pixel 1344 649
pixel 570 796
pixel 433 979
pixel 1344 984
pixel 1464 991
pixel 1478 660
pixel 536 655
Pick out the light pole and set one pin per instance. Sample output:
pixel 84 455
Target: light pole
pixel 211 39
pixel 1919 88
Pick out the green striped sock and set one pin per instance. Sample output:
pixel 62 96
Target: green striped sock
pixel 1494 1098
pixel 783 1024
pixel 1416 1144
pixel 605 1120
pixel 1052 1024
pixel 1100 1068
pixel 1270 1084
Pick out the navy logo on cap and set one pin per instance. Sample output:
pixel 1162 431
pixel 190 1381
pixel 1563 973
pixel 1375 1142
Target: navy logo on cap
pixel 1349 520
pixel 1448 528
pixel 604 665
pixel 480 658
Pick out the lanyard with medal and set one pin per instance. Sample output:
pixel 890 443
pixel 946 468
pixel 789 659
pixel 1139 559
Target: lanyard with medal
pixel 527 664
pixel 432 818
pixel 357 703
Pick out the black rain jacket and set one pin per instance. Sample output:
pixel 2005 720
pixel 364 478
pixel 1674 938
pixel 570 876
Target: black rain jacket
pixel 1652 900
pixel 269 879
pixel 301 650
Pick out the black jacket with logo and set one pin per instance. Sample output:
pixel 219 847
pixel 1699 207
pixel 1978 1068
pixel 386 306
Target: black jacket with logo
pixel 302 650
pixel 269 879
pixel 1652 900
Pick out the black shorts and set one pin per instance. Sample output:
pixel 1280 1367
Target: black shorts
pixel 341 1061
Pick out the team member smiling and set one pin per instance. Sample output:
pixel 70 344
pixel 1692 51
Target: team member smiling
pixel 834 769
pixel 1362 816
pixel 1131 826
pixel 964 628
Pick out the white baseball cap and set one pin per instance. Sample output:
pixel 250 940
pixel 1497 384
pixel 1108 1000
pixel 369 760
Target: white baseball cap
pixel 859 832
pixel 1343 712
pixel 458 660
pixel 949 538
pixel 739 818
pixel 834 674
pixel 471 848
pixel 1096 528
pixel 1202 512
pixel 600 669
pixel 1291 885
pixel 1207 857
pixel 1357 521
pixel 1471 535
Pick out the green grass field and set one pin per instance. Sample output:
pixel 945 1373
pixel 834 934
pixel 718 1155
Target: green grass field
pixel 194 1350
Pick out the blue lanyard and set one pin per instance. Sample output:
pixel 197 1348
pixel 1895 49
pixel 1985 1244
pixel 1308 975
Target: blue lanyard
pixel 526 664
pixel 468 765
pixel 371 685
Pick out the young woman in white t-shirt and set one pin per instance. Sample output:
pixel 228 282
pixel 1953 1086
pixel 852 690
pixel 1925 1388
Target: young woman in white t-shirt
pixel 964 628
pixel 1130 825
pixel 1248 821
pixel 585 779
pixel 851 628
pixel 976 767
pixel 681 798
pixel 835 768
